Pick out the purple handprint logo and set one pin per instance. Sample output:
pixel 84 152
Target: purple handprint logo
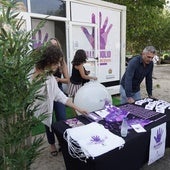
pixel 103 31
pixel 97 140
pixel 158 135
pixel 38 42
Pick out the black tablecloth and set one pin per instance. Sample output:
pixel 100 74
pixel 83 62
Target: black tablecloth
pixel 132 156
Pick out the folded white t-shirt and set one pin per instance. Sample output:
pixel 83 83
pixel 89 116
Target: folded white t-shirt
pixel 93 140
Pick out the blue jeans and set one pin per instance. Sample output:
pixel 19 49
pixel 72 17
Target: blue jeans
pixel 60 114
pixel 123 97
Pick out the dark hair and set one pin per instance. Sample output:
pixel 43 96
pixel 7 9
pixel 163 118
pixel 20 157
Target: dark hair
pixel 79 57
pixel 51 55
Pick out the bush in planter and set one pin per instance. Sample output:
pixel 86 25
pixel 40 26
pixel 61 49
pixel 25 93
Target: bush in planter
pixel 166 57
pixel 17 152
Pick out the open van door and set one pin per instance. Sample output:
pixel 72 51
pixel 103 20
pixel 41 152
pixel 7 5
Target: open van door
pixel 100 31
pixel 78 40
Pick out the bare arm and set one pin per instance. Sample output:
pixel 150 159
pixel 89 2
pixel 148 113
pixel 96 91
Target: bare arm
pixel 65 79
pixel 82 73
pixel 72 105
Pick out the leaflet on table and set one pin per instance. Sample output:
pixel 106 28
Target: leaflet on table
pixel 97 115
pixel 138 128
pixel 102 113
pixel 158 105
pixel 142 101
pixel 92 116
pixel 73 122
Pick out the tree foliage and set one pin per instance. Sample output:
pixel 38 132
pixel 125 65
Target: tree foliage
pixel 147 24
pixel 17 94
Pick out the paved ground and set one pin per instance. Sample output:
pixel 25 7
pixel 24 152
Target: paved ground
pixel 161 91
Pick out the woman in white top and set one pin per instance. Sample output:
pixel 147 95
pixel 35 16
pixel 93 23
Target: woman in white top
pixel 44 68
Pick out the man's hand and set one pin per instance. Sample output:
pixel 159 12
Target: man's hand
pixel 130 100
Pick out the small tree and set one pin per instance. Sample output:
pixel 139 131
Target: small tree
pixel 147 24
pixel 17 94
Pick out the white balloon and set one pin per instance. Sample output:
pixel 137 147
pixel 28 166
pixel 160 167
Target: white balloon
pixel 92 96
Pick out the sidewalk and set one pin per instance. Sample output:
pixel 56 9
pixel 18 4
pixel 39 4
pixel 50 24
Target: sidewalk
pixel 47 162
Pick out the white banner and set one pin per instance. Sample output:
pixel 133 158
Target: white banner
pixel 157 143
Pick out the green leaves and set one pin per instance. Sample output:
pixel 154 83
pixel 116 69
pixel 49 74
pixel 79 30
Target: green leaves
pixel 17 94
pixel 146 24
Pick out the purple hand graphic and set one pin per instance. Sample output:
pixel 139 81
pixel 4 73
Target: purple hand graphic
pixel 159 135
pixel 38 42
pixel 103 32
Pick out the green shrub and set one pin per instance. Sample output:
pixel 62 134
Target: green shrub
pixel 166 57
pixel 17 151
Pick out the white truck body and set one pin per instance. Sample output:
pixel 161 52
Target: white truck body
pixel 96 26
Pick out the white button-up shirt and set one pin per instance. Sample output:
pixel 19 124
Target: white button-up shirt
pixel 51 92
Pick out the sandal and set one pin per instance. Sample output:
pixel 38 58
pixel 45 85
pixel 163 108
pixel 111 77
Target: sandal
pixel 54 153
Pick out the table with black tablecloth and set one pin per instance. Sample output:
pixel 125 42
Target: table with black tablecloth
pixel 132 156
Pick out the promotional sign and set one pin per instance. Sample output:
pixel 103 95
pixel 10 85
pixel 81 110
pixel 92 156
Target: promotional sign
pixel 45 33
pixel 101 40
pixel 97 27
pixel 157 143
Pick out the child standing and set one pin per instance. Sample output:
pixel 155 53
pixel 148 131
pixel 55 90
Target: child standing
pixel 79 74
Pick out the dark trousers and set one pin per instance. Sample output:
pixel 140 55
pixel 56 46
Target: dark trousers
pixel 60 114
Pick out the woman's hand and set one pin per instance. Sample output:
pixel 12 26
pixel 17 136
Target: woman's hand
pixel 58 79
pixel 72 105
pixel 82 111
pixel 94 78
